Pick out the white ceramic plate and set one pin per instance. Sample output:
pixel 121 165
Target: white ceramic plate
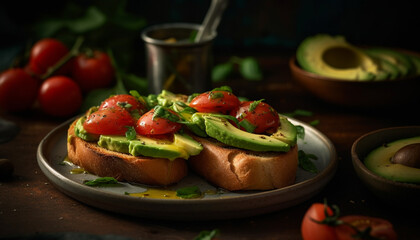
pixel 219 205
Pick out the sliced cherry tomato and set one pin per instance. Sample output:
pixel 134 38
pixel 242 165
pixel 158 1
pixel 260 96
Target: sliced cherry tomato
pixel 60 96
pixel 215 101
pixel 147 125
pixel 93 71
pixel 109 121
pixel 259 114
pixel 379 228
pixel 311 229
pixel 18 90
pixel 45 54
pixel 125 101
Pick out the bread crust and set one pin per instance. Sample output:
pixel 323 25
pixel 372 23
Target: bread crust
pixel 123 167
pixel 235 169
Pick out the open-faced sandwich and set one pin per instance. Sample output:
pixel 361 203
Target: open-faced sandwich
pixel 156 139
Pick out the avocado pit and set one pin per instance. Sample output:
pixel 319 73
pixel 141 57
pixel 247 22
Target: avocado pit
pixel 408 155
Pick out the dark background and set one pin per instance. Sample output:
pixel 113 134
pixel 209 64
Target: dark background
pixel 247 27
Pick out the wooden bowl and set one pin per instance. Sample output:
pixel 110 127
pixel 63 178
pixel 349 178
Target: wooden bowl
pixel 364 94
pixel 392 192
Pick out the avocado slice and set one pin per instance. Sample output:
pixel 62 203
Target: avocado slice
pixel 333 56
pixel 387 70
pixel 186 142
pixel 400 60
pixel 286 132
pixel 222 130
pixel 379 162
pixel 114 143
pixel 183 146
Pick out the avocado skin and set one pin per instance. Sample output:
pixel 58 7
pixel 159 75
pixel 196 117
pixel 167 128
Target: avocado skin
pixel 401 61
pixel 222 130
pixel 379 162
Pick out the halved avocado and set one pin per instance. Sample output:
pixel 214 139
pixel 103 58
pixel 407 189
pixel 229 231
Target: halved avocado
pixel 333 56
pixel 379 162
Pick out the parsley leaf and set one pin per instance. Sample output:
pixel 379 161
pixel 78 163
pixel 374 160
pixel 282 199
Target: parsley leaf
pixel 130 134
pixel 101 182
pixel 254 105
pixel 207 235
pixel 305 162
pixel 189 192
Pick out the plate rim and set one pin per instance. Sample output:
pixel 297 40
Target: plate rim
pixel 69 186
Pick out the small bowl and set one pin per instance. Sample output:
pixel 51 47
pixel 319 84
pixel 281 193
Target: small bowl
pixel 395 193
pixel 365 94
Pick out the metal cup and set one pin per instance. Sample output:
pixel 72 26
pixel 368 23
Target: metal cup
pixel 174 61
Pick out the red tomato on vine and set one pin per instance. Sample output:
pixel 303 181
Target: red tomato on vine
pixel 92 71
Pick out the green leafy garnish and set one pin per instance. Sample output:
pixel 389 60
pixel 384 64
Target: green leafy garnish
pixel 249 127
pixel 162 112
pixel 192 96
pixel 300 131
pixel 216 95
pixel 305 162
pixel 223 88
pixel 130 134
pixel 254 105
pixel 207 235
pixel 248 68
pixel 221 71
pixel 314 122
pixel 189 192
pixel 101 182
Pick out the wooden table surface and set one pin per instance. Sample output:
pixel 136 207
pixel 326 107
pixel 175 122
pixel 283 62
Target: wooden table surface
pixel 30 204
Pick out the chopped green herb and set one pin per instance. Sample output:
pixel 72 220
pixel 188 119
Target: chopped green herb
pixel 300 132
pixel 207 235
pixel 254 105
pixel 314 122
pixel 223 88
pixel 130 134
pixel 151 100
pixel 192 96
pixel 162 112
pixel 124 105
pixel 189 192
pixel 101 182
pixel 249 127
pixel 229 117
pixel 306 163
pixel 216 95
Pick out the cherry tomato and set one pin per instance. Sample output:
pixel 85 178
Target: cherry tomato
pixel 215 101
pixel 60 96
pixel 125 101
pixel 109 121
pixel 312 230
pixel 146 125
pixel 18 90
pixel 259 114
pixel 379 228
pixel 92 72
pixel 45 54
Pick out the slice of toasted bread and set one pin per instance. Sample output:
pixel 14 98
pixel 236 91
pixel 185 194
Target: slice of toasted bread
pixel 123 167
pixel 236 169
